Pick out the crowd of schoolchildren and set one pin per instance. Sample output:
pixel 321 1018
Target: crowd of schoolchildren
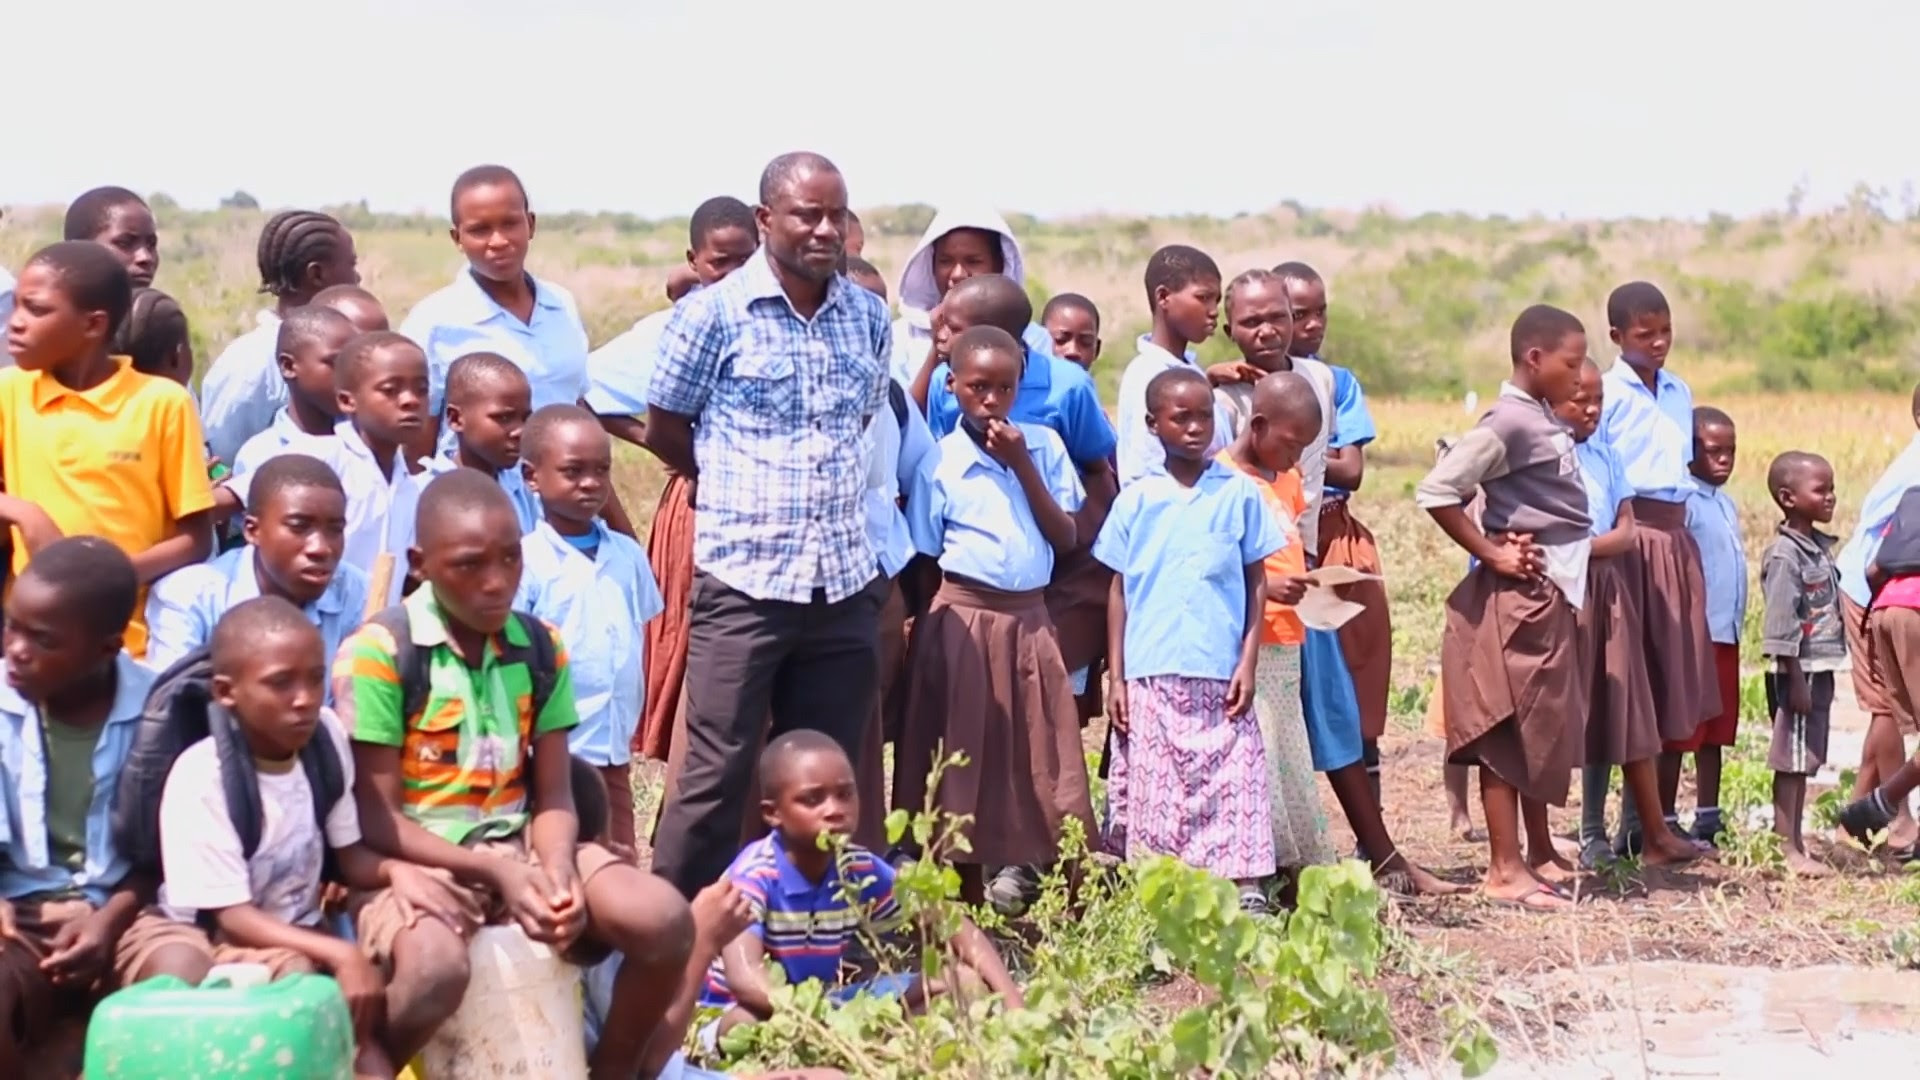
pixel 350 654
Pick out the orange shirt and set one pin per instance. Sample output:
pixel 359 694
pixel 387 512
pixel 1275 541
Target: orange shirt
pixel 1285 496
pixel 124 460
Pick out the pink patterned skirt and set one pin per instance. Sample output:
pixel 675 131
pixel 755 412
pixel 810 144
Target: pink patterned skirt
pixel 1189 781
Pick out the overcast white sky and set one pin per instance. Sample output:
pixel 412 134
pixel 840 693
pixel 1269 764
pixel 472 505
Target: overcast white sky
pixel 1571 107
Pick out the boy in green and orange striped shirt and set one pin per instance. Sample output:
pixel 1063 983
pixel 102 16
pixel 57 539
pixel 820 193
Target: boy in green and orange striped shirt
pixel 476 780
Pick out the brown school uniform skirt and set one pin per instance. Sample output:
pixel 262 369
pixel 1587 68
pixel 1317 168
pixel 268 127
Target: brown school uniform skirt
pixel 1620 725
pixel 1516 693
pixel 1077 604
pixel 1673 605
pixel 1366 641
pixel 985 678
pixel 670 554
pixel 1871 688
pixel 1894 637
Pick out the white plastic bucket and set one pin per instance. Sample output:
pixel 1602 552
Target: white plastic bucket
pixel 521 1016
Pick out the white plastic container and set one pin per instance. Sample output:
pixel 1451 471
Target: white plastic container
pixel 521 1017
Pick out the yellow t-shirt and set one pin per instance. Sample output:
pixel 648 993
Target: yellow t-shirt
pixel 124 460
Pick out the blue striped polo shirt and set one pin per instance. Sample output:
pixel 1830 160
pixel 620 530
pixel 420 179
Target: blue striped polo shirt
pixel 803 925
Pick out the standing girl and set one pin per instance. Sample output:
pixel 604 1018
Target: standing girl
pixel 1189 544
pixel 985 677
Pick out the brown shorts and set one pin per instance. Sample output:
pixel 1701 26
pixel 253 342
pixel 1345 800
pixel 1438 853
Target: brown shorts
pixel 33 997
pixel 380 919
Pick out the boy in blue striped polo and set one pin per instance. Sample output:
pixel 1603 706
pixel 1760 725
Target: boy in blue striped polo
pixel 809 901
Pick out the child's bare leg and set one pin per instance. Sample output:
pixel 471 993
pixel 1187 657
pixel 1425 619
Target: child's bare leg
pixel 1706 798
pixel 1461 823
pixel 1542 857
pixel 1670 763
pixel 1881 758
pixel 650 925
pixel 973 883
pixel 1658 847
pixel 430 973
pixel 1509 878
pixel 1789 807
pixel 370 1062
pixel 1350 785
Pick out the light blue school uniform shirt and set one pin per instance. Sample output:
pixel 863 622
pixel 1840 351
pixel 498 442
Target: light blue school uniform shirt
pixel 895 452
pixel 600 603
pixel 551 347
pixel 1140 452
pixel 242 388
pixel 1054 393
pixel 1352 420
pixel 969 512
pixel 6 305
pixel 620 373
pixel 1651 430
pixel 526 505
pixel 1605 479
pixel 1875 515
pixel 27 866
pixel 1182 554
pixel 1714 522
pixel 184 606
pixel 380 507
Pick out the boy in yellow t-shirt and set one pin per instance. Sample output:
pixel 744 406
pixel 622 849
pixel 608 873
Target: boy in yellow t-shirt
pixel 88 446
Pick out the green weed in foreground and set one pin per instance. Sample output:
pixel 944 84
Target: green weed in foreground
pixel 1278 995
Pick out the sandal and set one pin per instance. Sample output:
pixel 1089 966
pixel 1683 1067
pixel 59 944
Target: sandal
pixel 1526 901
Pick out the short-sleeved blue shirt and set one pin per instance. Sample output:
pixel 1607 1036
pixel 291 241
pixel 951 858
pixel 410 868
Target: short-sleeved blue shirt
pixel 1182 554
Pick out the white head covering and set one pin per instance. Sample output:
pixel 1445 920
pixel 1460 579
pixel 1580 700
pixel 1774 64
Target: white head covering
pixel 919 292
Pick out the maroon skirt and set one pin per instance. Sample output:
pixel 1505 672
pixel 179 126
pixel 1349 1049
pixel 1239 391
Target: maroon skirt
pixel 985 679
pixel 1366 640
pixel 1620 723
pixel 1673 602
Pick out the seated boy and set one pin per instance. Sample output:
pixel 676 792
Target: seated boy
pixel 382 383
pixel 295 537
pixel 595 586
pixel 73 919
pixel 488 402
pixel 270 673
pixel 803 917
pixel 460 750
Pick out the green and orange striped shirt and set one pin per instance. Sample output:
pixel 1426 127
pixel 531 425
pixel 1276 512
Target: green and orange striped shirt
pixel 463 755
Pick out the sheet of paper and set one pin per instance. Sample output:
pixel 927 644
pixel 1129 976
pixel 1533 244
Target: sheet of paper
pixel 1338 575
pixel 1321 609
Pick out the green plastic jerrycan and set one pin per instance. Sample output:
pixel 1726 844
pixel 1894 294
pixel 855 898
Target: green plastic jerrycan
pixel 235 1024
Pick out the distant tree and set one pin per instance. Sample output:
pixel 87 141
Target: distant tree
pixel 240 200
pixel 160 200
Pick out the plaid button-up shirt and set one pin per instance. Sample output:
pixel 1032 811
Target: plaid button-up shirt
pixel 781 405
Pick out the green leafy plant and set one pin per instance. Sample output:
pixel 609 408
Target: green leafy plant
pixel 1288 993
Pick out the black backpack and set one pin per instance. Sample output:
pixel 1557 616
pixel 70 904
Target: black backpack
pixel 897 397
pixel 180 711
pixel 543 665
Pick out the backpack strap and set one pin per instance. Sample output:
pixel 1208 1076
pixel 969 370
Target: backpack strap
pixel 543 664
pixel 327 781
pixel 897 397
pixel 239 780
pixel 409 662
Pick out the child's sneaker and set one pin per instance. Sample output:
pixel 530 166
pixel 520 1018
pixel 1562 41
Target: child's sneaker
pixel 1706 829
pixel 1865 816
pixel 1597 854
pixel 1253 901
pixel 1013 890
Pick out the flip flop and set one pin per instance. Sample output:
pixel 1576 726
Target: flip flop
pixel 1520 903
